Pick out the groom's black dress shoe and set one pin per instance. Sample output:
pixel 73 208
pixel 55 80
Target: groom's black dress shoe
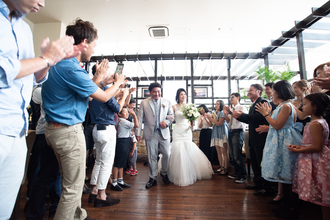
pixel 150 183
pixel 165 179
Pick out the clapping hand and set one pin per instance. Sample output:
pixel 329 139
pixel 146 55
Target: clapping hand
pixel 102 68
pixel 61 49
pixel 315 87
pixel 323 83
pixel 133 89
pixel 263 108
pixel 237 114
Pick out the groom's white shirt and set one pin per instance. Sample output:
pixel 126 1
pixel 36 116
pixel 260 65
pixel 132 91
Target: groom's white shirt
pixel 146 115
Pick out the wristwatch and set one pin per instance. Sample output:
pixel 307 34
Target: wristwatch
pixel 230 112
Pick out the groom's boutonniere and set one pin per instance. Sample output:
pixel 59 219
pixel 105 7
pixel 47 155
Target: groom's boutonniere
pixel 164 105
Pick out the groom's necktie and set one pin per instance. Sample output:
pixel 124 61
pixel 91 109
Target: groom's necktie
pixel 156 102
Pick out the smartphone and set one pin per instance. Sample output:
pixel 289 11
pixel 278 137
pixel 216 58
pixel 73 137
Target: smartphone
pixel 127 85
pixel 119 68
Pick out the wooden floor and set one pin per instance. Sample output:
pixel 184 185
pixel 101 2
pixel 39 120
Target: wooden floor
pixel 218 198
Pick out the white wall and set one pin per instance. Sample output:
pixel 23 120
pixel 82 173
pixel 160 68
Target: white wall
pixel 41 31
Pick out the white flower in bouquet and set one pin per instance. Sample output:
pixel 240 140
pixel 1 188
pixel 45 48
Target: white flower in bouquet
pixel 190 112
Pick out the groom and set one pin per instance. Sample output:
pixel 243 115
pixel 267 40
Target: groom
pixel 157 115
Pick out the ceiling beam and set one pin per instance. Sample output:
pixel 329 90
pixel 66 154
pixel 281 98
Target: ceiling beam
pixel 178 56
pixel 322 26
pixel 316 15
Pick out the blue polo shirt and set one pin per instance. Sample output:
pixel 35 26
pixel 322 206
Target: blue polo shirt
pixel 104 113
pixel 66 93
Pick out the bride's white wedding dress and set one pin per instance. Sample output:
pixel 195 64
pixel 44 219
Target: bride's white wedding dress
pixel 187 162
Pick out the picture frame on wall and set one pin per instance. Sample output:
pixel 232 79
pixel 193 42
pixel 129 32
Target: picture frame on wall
pixel 145 93
pixel 200 92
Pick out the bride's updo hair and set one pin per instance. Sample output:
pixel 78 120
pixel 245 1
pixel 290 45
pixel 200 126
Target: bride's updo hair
pixel 177 97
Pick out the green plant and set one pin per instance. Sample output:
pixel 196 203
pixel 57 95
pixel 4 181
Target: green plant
pixel 266 74
pixel 271 76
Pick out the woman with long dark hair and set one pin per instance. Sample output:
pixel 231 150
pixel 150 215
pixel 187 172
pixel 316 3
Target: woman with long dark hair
pixel 187 163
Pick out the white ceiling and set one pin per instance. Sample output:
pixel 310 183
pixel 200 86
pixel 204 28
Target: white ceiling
pixel 194 26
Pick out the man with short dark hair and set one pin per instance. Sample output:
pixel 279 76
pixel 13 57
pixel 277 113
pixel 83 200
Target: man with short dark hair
pixel 157 114
pixel 65 97
pixel 256 140
pixel 269 94
pixel 236 139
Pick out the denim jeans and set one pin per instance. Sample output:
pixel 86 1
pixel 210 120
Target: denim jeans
pixel 236 139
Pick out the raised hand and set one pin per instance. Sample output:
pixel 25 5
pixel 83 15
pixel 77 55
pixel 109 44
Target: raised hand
pixel 60 49
pixel 131 112
pixel 120 78
pixel 102 68
pixel 133 89
pixel 125 93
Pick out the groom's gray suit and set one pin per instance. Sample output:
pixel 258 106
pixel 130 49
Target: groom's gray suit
pixel 157 139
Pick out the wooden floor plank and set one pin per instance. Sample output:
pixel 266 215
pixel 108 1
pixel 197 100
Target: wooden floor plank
pixel 218 198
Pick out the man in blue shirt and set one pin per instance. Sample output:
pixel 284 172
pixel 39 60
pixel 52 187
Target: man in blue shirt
pixel 65 97
pixel 19 70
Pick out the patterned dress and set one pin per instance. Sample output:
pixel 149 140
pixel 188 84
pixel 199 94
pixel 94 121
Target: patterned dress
pixel 311 178
pixel 278 162
pixel 219 134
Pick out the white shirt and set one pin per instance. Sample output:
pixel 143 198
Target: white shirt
pixel 234 123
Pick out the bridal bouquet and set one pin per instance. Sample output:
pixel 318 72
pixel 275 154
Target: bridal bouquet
pixel 190 112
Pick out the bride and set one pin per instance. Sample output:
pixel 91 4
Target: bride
pixel 187 163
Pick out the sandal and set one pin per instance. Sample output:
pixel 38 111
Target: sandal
pixel 223 172
pixel 219 170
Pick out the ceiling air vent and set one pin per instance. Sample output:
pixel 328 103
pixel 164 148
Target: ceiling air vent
pixel 158 32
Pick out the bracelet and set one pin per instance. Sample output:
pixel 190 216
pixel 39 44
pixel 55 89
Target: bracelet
pixel 266 115
pixel 45 60
pixel 101 83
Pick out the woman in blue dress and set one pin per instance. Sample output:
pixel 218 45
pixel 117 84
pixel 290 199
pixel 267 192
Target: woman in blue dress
pixel 277 162
pixel 219 137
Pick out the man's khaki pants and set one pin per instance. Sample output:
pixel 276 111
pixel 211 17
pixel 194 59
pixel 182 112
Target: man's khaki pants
pixel 68 143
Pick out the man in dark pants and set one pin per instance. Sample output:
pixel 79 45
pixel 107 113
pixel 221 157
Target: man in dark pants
pixel 256 140
pixel 236 139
